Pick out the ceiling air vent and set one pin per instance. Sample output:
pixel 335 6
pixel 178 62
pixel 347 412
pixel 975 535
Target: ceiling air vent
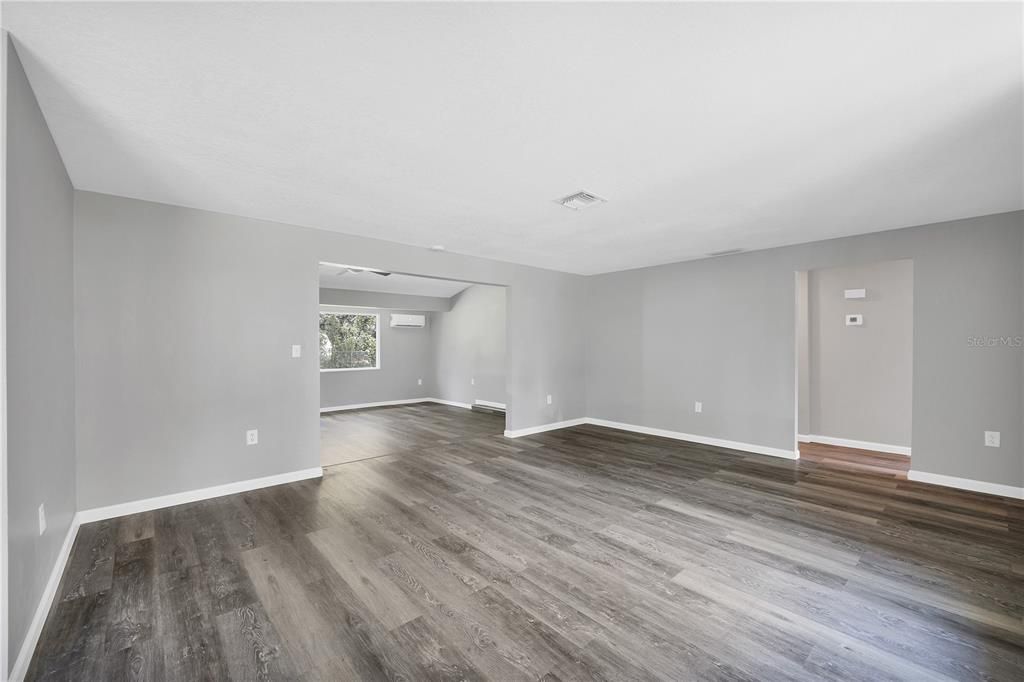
pixel 580 200
pixel 724 252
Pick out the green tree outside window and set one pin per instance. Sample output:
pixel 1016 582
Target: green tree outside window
pixel 348 341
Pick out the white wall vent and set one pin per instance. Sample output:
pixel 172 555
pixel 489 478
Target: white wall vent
pixel 415 321
pixel 580 201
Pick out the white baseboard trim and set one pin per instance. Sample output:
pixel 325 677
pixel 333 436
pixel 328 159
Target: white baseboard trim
pixel 151 503
pixel 859 444
pixel 100 513
pixel 35 628
pixel 518 433
pixel 407 401
pixel 694 438
pixel 383 403
pixel 966 484
pixel 465 406
pixel 675 435
pixel 488 403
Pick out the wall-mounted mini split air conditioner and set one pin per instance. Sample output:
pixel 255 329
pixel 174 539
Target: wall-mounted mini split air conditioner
pixel 414 321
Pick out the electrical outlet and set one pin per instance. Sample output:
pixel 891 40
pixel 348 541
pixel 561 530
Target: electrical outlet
pixel 252 437
pixel 472 381
pixel 549 399
pixel 992 439
pixel 296 351
pixel 42 519
pixel 419 382
pixel 698 407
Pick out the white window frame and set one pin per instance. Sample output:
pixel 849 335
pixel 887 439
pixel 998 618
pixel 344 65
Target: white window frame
pixel 325 311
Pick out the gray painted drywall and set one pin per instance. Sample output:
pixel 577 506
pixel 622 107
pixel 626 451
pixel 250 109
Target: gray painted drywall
pixel 861 376
pixel 723 331
pixel 803 358
pixel 378 299
pixel 185 321
pixel 469 345
pixel 40 351
pixel 405 357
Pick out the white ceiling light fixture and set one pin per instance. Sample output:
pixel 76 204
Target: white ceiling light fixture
pixel 580 200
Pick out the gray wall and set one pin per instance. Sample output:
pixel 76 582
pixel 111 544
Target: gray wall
pixel 405 357
pixel 40 351
pixel 185 320
pixel 723 331
pixel 861 379
pixel 378 299
pixel 469 345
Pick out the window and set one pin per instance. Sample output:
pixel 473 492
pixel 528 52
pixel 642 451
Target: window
pixel 349 341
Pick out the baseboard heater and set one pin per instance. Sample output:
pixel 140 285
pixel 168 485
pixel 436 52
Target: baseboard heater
pixel 489 407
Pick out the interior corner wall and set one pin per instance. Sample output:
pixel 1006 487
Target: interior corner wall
pixel 469 346
pixel 40 351
pixel 803 358
pixel 184 325
pixel 861 378
pixel 722 331
pixel 406 357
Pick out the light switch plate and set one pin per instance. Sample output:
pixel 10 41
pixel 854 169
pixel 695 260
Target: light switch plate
pixel 296 351
pixel 549 399
pixel 42 519
pixel 698 407
pixel 992 439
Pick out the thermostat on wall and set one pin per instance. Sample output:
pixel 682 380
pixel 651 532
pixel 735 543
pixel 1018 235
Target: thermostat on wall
pixel 855 293
pixel 854 320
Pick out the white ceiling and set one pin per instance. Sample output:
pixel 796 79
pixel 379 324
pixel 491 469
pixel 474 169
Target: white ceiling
pixel 332 276
pixel 705 126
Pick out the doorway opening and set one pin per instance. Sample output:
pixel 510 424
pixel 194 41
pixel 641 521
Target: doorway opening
pixel 406 362
pixel 854 348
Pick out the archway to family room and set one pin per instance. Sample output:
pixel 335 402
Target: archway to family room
pixel 407 363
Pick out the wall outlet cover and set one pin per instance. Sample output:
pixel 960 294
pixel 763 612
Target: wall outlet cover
pixel 296 351
pixel 549 399
pixel 698 407
pixel 252 437
pixel 992 439
pixel 419 382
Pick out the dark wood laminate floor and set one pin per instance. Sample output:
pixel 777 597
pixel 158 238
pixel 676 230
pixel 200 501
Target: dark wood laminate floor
pixel 855 460
pixel 353 435
pixel 585 553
